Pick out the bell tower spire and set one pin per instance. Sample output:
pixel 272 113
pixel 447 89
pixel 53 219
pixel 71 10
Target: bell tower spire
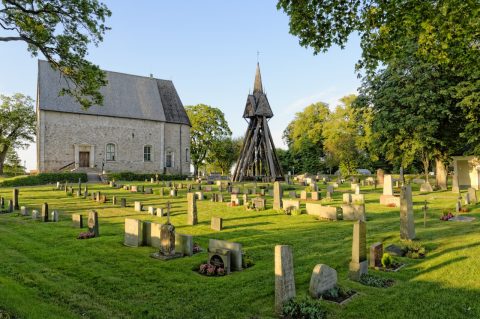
pixel 257 86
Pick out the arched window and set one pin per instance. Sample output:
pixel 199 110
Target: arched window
pixel 169 159
pixel 110 152
pixel 147 153
pixel 187 155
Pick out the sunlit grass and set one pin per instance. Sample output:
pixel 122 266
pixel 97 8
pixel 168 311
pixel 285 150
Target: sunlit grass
pixel 45 272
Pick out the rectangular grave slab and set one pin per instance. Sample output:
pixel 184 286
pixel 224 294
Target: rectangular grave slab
pixel 138 206
pixel 133 232
pixel 376 253
pixel 324 212
pixel 77 220
pixel 316 195
pixel 155 234
pixel 217 223
pixel 291 203
pixel 184 244
pixel 236 249
pixel 284 276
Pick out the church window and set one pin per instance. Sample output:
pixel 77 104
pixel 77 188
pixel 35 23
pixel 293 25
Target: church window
pixel 169 159
pixel 147 153
pixel 110 152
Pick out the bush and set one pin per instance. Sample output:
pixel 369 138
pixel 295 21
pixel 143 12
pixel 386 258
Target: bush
pixel 374 281
pixel 387 260
pixel 303 309
pixel 295 212
pixel 130 176
pixel 45 178
pixel 413 249
pixel 247 261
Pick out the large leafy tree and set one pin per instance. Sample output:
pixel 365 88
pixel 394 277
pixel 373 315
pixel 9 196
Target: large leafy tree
pixel 17 124
pixel 61 30
pixel 345 133
pixel 435 36
pixel 224 153
pixel 208 128
pixel 304 138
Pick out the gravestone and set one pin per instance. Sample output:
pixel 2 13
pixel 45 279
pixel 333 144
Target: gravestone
pixel 376 253
pixel 359 265
pixel 2 202
pixel 192 216
pixel 160 212
pixel 353 212
pixel 152 210
pixel 133 232
pixel 148 190
pixel 35 214
pixel 167 240
pixel 55 216
pixel 303 195
pixel 123 202
pixel 388 185
pixel 259 203
pixel 287 203
pixel 347 198
pixel 323 279
pixel 472 194
pixel 15 199
pixel 245 199
pixel 102 199
pixel 467 199
pixel 277 195
pixel 44 215
pixel 329 195
pixel 217 223
pixel 184 244
pixel 199 195
pixel 316 195
pixel 407 224
pixel 77 220
pixel 380 176
pixel 155 235
pixel 10 206
pixel 24 211
pixel 235 248
pixel 330 189
pixel 292 194
pixel 358 198
pixel 426 187
pixel 458 206
pixel 138 206
pixel 93 226
pixel 357 189
pixel 284 276
pixel 173 193
pixel 114 200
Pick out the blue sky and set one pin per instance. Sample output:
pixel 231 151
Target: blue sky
pixel 209 50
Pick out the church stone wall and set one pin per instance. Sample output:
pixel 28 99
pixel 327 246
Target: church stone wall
pixel 62 135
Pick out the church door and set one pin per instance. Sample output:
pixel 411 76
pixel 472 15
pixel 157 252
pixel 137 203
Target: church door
pixel 84 159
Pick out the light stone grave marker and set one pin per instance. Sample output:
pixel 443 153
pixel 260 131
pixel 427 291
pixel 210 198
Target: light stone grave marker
pixel 376 253
pixel 284 276
pixel 359 265
pixel 133 232
pixel 192 216
pixel 407 224
pixel 323 279
pixel 77 220
pixel 138 206
pixel 93 226
pixel 277 195
pixel 217 223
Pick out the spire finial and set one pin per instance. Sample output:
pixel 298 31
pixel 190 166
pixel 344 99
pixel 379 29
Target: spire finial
pixel 257 86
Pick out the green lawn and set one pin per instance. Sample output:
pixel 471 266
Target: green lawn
pixel 45 272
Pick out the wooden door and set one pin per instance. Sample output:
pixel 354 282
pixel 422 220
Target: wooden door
pixel 84 159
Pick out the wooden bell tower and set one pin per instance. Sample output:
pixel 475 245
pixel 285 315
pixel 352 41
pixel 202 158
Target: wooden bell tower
pixel 258 158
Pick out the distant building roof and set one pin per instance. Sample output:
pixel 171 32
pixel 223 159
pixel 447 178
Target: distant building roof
pixel 125 95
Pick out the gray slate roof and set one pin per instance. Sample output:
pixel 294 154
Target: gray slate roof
pixel 125 95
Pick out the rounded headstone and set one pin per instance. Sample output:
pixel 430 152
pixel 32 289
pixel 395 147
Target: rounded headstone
pixel 323 279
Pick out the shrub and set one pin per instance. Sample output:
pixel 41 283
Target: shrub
pixel 413 249
pixel 374 281
pixel 295 212
pixel 303 309
pixel 44 178
pixel 247 261
pixel 131 176
pixel 387 260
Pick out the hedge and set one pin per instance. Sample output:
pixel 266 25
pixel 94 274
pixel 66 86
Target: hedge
pixel 44 178
pixel 130 176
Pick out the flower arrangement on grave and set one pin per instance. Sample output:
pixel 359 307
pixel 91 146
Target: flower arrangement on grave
pixel 387 260
pixel 337 294
pixel 86 235
pixel 464 209
pixel 446 216
pixel 197 248
pixel 377 282
pixel 210 270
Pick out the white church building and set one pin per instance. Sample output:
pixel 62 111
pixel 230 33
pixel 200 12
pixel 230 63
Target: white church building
pixel 142 126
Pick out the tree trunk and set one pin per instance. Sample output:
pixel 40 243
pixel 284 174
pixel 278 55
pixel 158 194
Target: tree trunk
pixel 441 174
pixel 195 170
pixel 3 155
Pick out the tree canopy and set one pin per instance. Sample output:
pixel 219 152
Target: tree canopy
pixel 208 128
pixel 17 123
pixel 61 30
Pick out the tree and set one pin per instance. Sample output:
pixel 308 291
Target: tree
pixel 225 153
pixel 13 162
pixel 17 123
pixel 208 128
pixel 344 134
pixel 304 138
pixel 61 30
pixel 431 35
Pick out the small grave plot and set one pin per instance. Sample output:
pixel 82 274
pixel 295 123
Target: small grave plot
pixel 338 295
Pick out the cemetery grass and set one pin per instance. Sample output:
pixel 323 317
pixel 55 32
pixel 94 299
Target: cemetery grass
pixel 45 272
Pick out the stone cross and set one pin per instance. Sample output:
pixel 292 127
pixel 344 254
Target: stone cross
pixel 359 265
pixel 277 196
pixel 284 276
pixel 407 223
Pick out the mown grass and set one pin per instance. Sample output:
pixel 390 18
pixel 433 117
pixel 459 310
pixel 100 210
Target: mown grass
pixel 45 272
